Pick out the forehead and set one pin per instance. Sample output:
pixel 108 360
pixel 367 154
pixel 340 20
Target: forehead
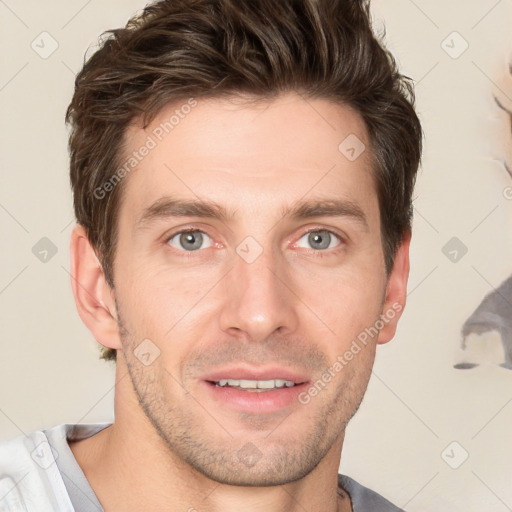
pixel 237 151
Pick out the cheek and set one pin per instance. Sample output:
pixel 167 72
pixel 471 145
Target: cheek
pixel 347 300
pixel 159 301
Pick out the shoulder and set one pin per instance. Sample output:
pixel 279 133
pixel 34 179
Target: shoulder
pixel 20 453
pixel 29 477
pixel 364 499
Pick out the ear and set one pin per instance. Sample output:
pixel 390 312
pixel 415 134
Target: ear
pixel 396 292
pixel 93 296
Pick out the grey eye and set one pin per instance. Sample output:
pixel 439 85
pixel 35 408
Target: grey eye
pixel 320 239
pixel 189 240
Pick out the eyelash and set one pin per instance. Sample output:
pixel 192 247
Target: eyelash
pixel 326 252
pixel 316 253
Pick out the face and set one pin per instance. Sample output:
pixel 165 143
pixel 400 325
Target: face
pixel 249 253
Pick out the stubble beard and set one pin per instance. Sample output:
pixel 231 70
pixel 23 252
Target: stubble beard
pixel 288 451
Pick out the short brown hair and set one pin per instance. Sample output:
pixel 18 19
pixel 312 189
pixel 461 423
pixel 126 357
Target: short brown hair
pixel 178 49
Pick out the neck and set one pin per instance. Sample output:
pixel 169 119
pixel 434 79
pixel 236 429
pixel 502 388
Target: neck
pixel 131 468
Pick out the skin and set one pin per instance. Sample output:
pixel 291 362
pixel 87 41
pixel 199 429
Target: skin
pixel 172 445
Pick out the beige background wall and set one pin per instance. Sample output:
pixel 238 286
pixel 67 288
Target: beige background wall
pixel 417 405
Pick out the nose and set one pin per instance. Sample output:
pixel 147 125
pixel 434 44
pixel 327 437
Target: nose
pixel 258 298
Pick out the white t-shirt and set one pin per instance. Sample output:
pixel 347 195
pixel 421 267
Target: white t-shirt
pixel 38 473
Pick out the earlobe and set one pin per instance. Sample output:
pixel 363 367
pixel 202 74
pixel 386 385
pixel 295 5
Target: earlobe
pixel 93 296
pixel 396 292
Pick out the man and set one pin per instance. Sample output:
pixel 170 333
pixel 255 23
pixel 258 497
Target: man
pixel 242 175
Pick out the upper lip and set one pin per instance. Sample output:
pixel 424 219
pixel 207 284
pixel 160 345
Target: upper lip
pixel 251 373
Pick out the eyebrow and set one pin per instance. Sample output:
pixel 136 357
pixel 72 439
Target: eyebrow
pixel 168 207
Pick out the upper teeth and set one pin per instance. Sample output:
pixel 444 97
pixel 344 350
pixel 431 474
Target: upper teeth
pixel 256 384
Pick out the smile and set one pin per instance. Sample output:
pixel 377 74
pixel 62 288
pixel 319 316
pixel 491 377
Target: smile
pixel 255 385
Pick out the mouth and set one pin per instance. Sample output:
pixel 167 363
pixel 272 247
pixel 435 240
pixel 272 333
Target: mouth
pixel 255 390
pixel 255 386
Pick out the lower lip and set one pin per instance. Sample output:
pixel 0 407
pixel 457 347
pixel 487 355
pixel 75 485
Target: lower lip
pixel 254 401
